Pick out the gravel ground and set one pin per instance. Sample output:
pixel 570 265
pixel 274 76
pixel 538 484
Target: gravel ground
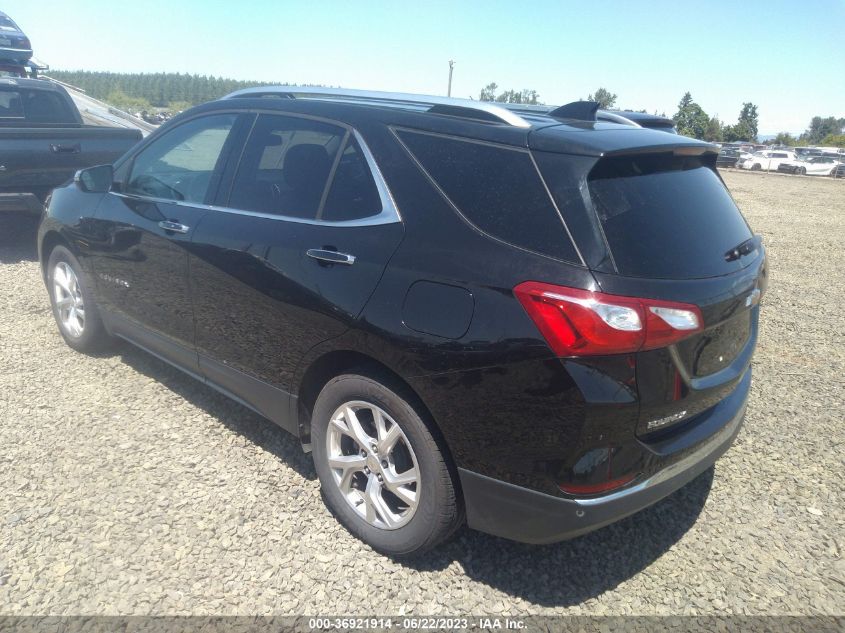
pixel 128 488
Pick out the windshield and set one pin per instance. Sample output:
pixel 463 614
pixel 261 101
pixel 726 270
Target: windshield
pixel 4 21
pixel 667 217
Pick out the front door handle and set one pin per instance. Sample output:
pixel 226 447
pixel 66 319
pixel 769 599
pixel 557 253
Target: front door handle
pixel 332 257
pixel 173 227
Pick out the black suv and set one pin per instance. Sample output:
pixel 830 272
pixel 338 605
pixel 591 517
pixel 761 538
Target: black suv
pixel 536 322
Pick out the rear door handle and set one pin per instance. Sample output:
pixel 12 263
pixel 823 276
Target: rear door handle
pixel 65 149
pixel 332 257
pixel 173 227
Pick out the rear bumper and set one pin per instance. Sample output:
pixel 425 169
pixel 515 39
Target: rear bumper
pixel 520 514
pixel 20 202
pixel 15 54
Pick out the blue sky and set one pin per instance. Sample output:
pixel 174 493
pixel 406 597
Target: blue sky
pixel 784 55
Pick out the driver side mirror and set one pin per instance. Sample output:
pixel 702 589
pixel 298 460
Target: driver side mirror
pixel 95 179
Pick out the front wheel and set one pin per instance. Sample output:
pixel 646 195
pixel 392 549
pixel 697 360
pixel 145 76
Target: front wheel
pixel 382 471
pixel 802 171
pixel 756 167
pixel 73 303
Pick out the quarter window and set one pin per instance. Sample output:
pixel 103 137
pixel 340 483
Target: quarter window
pixel 497 189
pixel 179 166
pixel 353 194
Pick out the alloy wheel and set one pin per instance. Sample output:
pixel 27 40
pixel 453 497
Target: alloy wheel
pixel 373 465
pixel 68 297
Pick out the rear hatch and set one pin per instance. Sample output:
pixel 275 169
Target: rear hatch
pixel 663 226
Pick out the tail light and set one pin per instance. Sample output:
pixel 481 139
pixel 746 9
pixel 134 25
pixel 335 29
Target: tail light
pixel 594 489
pixel 578 322
pixel 24 42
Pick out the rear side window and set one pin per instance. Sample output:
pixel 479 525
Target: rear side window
pixel 495 188
pixel 666 217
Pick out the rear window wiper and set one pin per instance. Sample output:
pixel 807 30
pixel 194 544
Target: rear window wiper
pixel 741 250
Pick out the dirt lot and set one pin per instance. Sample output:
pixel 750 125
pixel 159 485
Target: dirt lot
pixel 128 488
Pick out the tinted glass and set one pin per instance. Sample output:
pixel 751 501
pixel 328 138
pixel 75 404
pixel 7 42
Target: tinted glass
pixel 42 106
pixel 11 105
pixel 285 166
pixel 179 165
pixel 497 189
pixel 353 194
pixel 666 217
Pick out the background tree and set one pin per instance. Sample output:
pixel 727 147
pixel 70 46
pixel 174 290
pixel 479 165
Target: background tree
pixel 488 93
pixel 713 133
pixel 821 127
pixel 785 138
pixel 691 119
pixel 121 100
pixel 155 89
pixel 605 98
pixel 833 140
pixel 746 126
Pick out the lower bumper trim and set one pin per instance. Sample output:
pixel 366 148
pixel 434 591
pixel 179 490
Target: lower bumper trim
pixel 503 509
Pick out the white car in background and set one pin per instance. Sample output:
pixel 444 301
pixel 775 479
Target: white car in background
pixel 767 160
pixel 811 165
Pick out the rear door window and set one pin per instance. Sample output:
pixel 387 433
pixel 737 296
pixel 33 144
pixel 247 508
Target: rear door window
pixel 667 217
pixel 286 165
pixel 497 189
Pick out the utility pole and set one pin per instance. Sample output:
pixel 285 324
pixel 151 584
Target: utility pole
pixel 451 66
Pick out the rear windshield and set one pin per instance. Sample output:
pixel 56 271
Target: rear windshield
pixel 38 106
pixel 666 217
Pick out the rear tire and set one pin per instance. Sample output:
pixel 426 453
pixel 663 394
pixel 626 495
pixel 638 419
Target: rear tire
pixel 72 300
pixel 802 171
pixel 390 487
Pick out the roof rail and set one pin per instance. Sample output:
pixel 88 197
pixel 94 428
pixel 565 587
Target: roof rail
pixel 437 105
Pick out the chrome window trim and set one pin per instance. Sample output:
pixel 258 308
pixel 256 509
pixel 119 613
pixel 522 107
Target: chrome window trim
pixel 389 212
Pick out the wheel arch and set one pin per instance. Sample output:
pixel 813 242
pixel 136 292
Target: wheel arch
pixel 50 240
pixel 330 364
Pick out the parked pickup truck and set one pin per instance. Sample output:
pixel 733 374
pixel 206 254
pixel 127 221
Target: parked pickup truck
pixel 43 142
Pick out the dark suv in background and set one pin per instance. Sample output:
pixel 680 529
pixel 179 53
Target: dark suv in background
pixel 534 321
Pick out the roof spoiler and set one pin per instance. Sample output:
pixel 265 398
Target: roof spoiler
pixel 578 110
